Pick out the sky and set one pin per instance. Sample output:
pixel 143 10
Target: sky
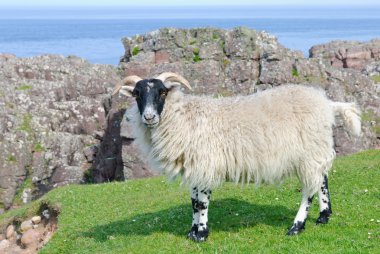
pixel 183 3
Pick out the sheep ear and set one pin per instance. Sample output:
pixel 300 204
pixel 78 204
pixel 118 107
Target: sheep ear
pixel 126 91
pixel 130 80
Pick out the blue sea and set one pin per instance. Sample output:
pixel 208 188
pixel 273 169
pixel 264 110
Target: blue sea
pixel 95 33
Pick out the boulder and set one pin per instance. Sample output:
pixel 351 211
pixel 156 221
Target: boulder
pixel 36 220
pixel 4 245
pixel 30 239
pixel 10 232
pixel 348 54
pixel 26 225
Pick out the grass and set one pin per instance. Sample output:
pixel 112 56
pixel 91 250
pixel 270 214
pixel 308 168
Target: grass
pixel 376 78
pixel 152 216
pixel 196 57
pixel 24 87
pixel 38 147
pixel 135 50
pixel 192 41
pixel 27 184
pixel 295 72
pixel 11 158
pixel 370 116
pixel 26 123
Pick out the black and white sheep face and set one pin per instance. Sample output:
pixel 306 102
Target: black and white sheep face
pixel 150 96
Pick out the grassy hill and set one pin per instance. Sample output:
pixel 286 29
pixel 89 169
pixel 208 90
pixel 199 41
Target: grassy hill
pixel 153 216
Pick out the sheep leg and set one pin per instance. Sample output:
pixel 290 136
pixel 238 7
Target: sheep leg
pixel 324 202
pixel 194 226
pixel 199 231
pixel 300 220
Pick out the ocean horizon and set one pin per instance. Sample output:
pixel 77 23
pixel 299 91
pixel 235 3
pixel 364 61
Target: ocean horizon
pixel 95 33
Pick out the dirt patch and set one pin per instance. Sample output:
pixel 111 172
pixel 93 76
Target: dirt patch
pixel 29 235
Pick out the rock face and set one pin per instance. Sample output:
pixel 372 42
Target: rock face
pixel 59 124
pixel 243 61
pixel 50 107
pixel 53 112
pixel 348 54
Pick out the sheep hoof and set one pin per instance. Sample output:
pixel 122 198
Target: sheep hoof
pixel 296 228
pixel 198 236
pixel 193 232
pixel 323 217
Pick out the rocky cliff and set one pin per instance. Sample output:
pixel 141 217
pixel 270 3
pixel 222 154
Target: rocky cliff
pixel 243 61
pixel 59 124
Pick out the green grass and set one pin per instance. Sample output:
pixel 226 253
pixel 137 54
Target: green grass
pixel 153 216
pixel 24 87
pixel 11 158
pixel 376 78
pixel 26 123
pixel 192 41
pixel 196 57
pixel 135 50
pixel 27 184
pixel 295 72
pixel 38 147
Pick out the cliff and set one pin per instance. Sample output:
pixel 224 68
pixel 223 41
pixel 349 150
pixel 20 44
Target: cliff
pixel 59 124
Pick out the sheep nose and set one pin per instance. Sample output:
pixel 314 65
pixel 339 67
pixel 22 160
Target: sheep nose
pixel 149 117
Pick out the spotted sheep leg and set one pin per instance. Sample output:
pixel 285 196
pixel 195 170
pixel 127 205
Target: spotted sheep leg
pixel 324 202
pixel 324 208
pixel 200 201
pixel 300 220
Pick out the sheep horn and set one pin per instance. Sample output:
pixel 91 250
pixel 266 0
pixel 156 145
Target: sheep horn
pixel 170 76
pixel 130 80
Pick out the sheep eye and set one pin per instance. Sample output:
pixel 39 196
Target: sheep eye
pixel 136 95
pixel 163 93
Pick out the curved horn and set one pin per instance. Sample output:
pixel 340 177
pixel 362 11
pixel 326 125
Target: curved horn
pixel 170 76
pixel 130 80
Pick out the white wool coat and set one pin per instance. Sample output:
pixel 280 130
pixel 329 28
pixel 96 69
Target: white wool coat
pixel 263 137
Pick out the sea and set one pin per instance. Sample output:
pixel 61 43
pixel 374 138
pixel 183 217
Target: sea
pixel 95 33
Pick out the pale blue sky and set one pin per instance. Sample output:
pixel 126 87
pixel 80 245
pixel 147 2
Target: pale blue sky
pixel 181 3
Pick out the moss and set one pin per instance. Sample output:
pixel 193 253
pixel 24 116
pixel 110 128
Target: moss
pixel 376 129
pixel 370 116
pixel 38 148
pixel 27 184
pixel 223 92
pixel 11 158
pixel 135 50
pixel 196 57
pixel 376 78
pixel 26 123
pixel 295 72
pixel 9 105
pixel 222 44
pixel 226 62
pixel 192 41
pixel 24 87
pixel 87 175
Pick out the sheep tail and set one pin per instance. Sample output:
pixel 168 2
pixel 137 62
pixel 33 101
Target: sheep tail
pixel 351 115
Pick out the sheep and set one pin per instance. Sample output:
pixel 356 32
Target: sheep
pixel 264 137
